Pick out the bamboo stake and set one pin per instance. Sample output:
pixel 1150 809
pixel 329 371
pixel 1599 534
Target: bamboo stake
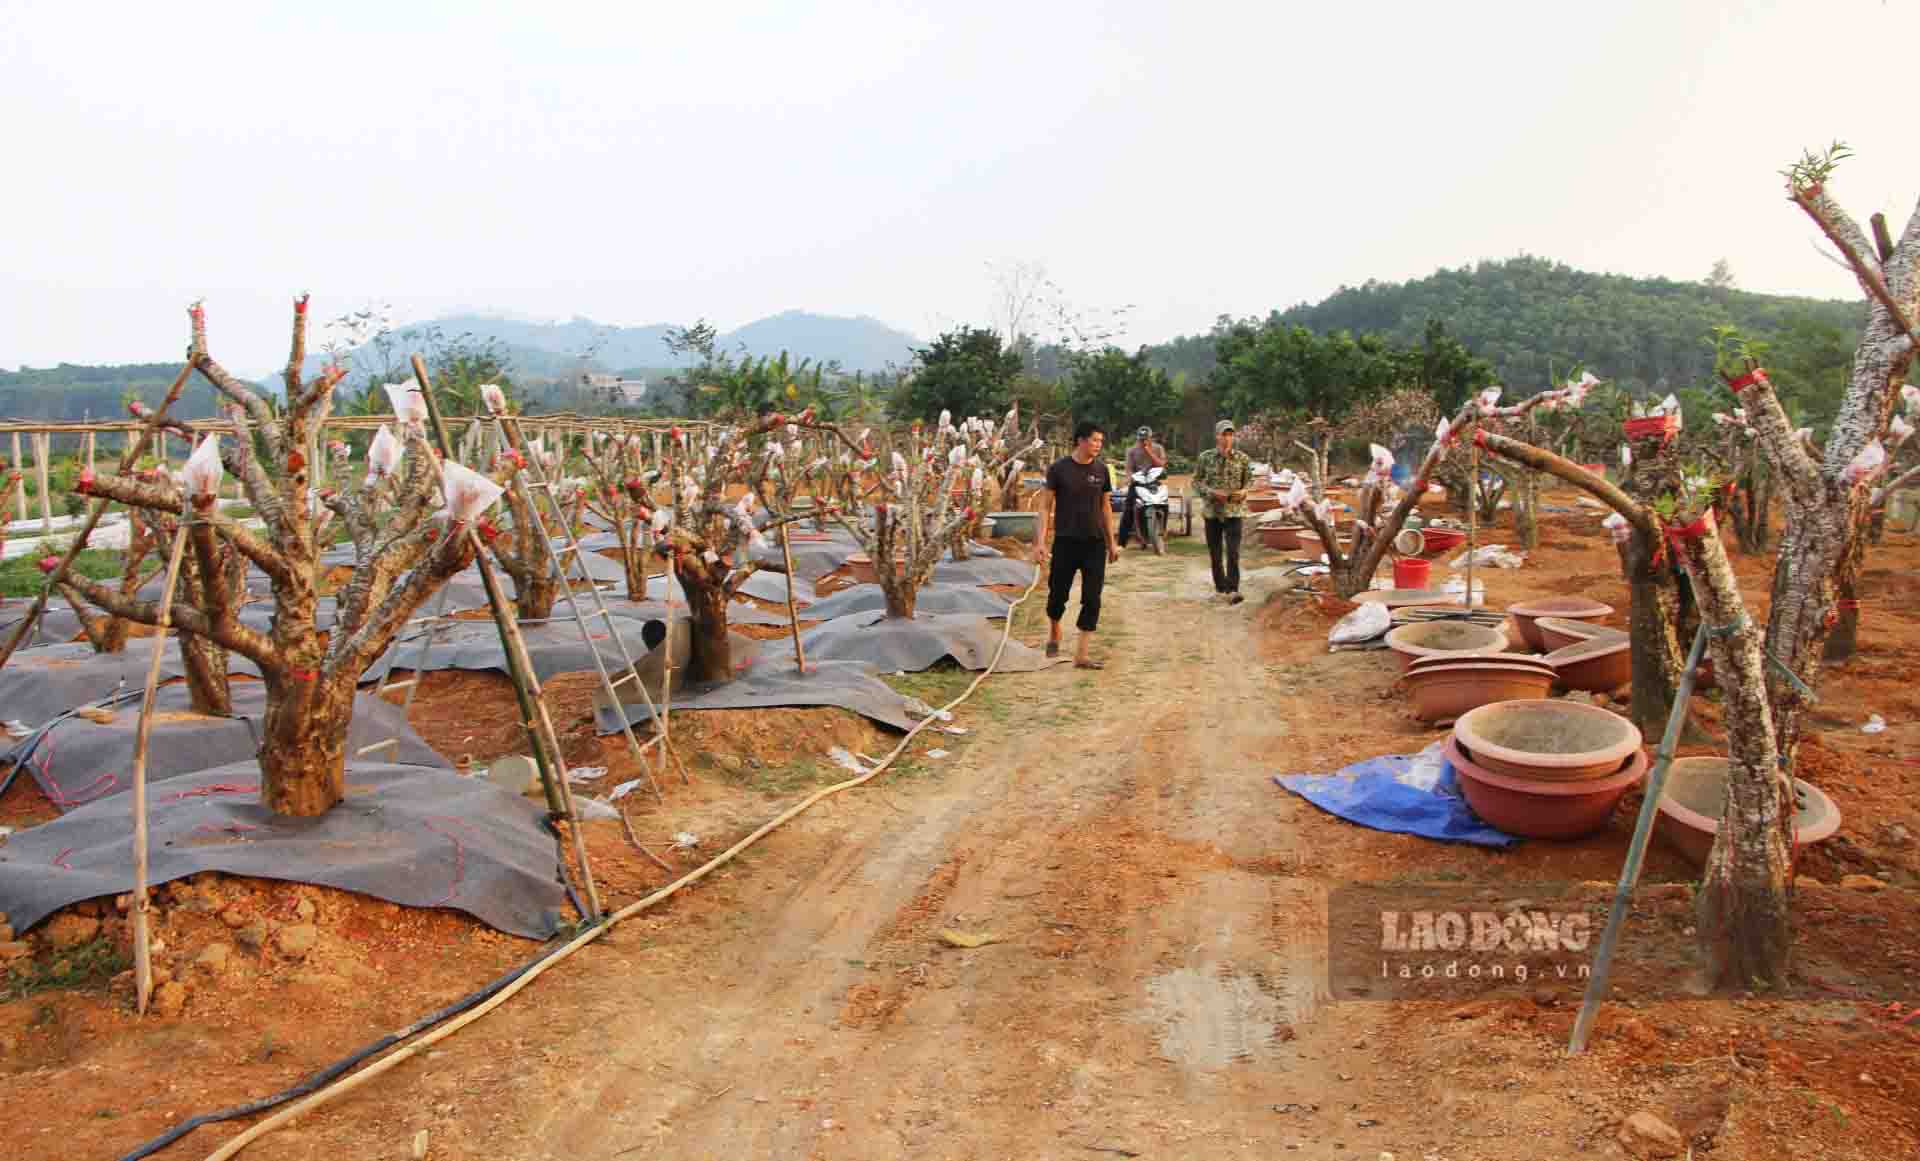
pixel 1637 847
pixel 19 466
pixel 793 616
pixel 142 953
pixel 42 448
pixel 1473 515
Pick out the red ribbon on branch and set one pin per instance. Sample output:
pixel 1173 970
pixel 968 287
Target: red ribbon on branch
pixel 1480 438
pixel 1752 378
pixel 304 674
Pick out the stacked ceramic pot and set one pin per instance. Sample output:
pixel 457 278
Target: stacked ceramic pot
pixel 1696 794
pixel 1584 654
pixel 1545 768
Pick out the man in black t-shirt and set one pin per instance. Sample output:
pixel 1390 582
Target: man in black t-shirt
pixel 1076 533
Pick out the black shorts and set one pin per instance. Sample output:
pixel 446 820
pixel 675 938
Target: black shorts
pixel 1088 558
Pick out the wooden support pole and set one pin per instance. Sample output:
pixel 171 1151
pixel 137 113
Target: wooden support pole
pixel 42 452
pixel 19 465
pixel 1473 515
pixel 142 953
pixel 793 616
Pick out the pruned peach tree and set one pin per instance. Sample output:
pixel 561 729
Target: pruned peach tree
pixel 922 506
pixel 619 491
pixel 1827 493
pixel 408 524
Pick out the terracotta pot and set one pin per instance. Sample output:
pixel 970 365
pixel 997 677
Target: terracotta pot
pixel 1558 741
pixel 1525 613
pixel 1285 537
pixel 1543 808
pixel 1560 632
pixel 1445 691
pixel 1310 543
pixel 1696 792
pixel 1264 502
pixel 1443 638
pixel 1597 666
pixel 1524 663
pixel 1442 539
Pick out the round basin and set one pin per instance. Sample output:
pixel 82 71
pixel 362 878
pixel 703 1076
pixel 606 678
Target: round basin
pixel 1442 539
pixel 1525 661
pixel 1599 665
pixel 1419 639
pixel 1696 792
pixel 1019 525
pixel 1311 542
pixel 1556 741
pixel 1542 807
pixel 1566 608
pixel 860 566
pixel 1285 537
pixel 1263 502
pixel 1443 691
pixel 1560 632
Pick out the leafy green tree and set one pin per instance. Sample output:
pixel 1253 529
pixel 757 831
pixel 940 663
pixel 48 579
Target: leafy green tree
pixel 1121 392
pixel 1448 370
pixel 968 371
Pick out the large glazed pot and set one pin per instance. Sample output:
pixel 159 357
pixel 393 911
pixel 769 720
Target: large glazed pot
pixel 1541 807
pixel 1560 632
pixel 1457 638
pixel 1442 691
pixel 1558 741
pixel 1567 608
pixel 1442 539
pixel 1597 666
pixel 1696 793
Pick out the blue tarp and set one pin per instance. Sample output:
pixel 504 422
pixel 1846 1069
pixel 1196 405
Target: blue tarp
pixel 1402 793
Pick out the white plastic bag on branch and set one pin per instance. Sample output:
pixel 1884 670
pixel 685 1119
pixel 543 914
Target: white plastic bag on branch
pixel 1911 394
pixel 383 457
pixel 1866 464
pixel 203 471
pixel 1617 526
pixel 409 405
pixel 1900 430
pixel 467 492
pixel 494 398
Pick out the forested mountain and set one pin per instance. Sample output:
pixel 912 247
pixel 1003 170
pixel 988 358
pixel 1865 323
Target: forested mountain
pixel 535 350
pixel 70 391
pixel 1526 313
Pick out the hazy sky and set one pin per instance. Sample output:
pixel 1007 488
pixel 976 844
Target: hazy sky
pixel 639 163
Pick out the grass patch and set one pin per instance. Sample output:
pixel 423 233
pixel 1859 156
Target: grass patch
pixel 21 576
pixel 86 965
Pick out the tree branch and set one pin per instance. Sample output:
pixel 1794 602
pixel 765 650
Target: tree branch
pixel 230 385
pixel 1883 494
pixel 1854 245
pixel 1599 487
pixel 185 617
pixel 156 498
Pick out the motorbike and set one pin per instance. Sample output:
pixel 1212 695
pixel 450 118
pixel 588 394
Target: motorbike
pixel 1150 507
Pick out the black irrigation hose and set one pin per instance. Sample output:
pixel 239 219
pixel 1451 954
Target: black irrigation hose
pixel 327 1075
pixel 22 752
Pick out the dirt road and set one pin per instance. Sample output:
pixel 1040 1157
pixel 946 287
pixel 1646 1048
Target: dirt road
pixel 1153 988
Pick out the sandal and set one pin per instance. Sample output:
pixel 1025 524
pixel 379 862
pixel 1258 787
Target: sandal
pixel 1053 649
pixel 1089 663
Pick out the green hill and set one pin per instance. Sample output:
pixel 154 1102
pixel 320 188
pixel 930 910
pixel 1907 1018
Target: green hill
pixel 1524 313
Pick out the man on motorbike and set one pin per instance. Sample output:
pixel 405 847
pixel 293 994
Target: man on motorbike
pixel 1144 454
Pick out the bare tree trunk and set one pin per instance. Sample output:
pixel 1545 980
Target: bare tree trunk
pixel 1745 929
pixel 303 744
pixel 1653 625
pixel 712 659
pixel 1844 640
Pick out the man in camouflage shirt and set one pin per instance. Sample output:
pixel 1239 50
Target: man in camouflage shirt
pixel 1220 482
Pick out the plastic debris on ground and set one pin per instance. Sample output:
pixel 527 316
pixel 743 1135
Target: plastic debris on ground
pixel 1875 724
pixel 844 758
pixel 936 753
pixel 624 789
pixel 586 773
pixel 1370 620
pixel 1490 556
pixel 685 840
pixel 1416 794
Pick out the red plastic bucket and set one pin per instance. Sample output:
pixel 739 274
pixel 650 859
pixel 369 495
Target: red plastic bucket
pixel 1410 572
